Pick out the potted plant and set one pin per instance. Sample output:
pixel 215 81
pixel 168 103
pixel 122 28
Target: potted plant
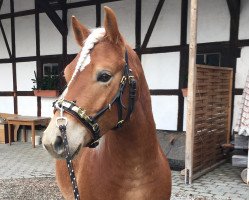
pixel 47 86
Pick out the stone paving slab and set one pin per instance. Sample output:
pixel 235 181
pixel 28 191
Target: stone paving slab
pixel 20 162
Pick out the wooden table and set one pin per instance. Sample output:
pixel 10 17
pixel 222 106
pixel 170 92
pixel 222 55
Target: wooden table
pixel 27 121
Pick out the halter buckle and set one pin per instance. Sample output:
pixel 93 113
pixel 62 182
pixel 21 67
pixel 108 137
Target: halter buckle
pixel 95 127
pixel 119 124
pixel 81 113
pixel 130 77
pixel 62 119
pixel 123 80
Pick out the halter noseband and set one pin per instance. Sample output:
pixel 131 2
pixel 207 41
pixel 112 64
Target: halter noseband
pixel 91 121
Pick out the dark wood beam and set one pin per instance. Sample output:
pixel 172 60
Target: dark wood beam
pixel 5 39
pixel 153 23
pixel 88 3
pixel 138 27
pixel 38 61
pixel 13 47
pixel 98 14
pixel 53 16
pixel 183 70
pixel 1 3
pixel 233 6
pixel 164 92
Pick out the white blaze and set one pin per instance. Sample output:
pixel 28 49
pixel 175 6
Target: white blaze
pixel 84 59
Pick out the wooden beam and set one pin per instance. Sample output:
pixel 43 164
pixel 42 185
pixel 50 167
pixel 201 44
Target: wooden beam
pixel 191 94
pixel 153 23
pixel 164 92
pixel 38 61
pixel 183 70
pixel 5 39
pixel 98 14
pixel 1 3
pixel 233 42
pixel 138 27
pixel 53 16
pixel 234 7
pixel 13 47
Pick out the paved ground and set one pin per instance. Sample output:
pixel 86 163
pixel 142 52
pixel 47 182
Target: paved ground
pixel 27 173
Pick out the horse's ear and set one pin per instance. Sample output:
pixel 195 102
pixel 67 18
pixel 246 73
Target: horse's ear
pixel 111 27
pixel 80 31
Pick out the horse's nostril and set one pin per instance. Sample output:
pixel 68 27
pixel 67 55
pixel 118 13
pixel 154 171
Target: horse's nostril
pixel 58 145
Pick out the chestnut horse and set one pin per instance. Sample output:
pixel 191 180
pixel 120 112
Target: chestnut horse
pixel 128 163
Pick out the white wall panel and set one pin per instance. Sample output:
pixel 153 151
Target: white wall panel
pixel 50 37
pixel 3 49
pixel 7 105
pixel 162 70
pixel 87 16
pixel 213 21
pixel 244 18
pixel 25 36
pixel 27 106
pixel 242 68
pixel 237 103
pixel 46 107
pixel 5 7
pixel 6 77
pixel 21 5
pixel 165 111
pixel 24 74
pixel 167 29
pixel 125 12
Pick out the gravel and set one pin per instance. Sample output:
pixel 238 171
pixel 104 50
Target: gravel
pixel 30 189
pixel 46 189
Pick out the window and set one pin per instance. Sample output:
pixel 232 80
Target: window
pixel 50 69
pixel 212 59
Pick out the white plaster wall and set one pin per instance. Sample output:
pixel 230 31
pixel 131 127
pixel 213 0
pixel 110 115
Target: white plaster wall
pixel 161 70
pixel 165 115
pixel 237 104
pixel 7 28
pixel 213 21
pixel 242 68
pixel 7 105
pixel 167 29
pixel 25 36
pixel 6 77
pixel 27 106
pixel 125 12
pixel 242 71
pixel 5 7
pixel 24 74
pixel 46 107
pixel 20 5
pixel 50 37
pixel 87 16
pixel 244 18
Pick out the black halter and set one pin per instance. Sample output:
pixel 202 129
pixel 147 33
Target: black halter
pixel 91 121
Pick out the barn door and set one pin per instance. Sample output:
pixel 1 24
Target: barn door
pixel 212 120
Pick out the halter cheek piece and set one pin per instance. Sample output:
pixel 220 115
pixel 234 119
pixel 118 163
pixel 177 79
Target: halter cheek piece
pixel 91 121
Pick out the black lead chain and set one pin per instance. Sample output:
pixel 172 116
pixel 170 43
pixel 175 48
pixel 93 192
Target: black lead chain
pixel 69 162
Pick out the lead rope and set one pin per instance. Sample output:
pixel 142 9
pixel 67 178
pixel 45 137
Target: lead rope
pixel 62 129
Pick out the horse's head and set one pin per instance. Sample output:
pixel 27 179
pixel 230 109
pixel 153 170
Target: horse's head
pixel 94 80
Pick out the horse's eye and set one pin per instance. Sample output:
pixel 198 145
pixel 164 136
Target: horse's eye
pixel 104 77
